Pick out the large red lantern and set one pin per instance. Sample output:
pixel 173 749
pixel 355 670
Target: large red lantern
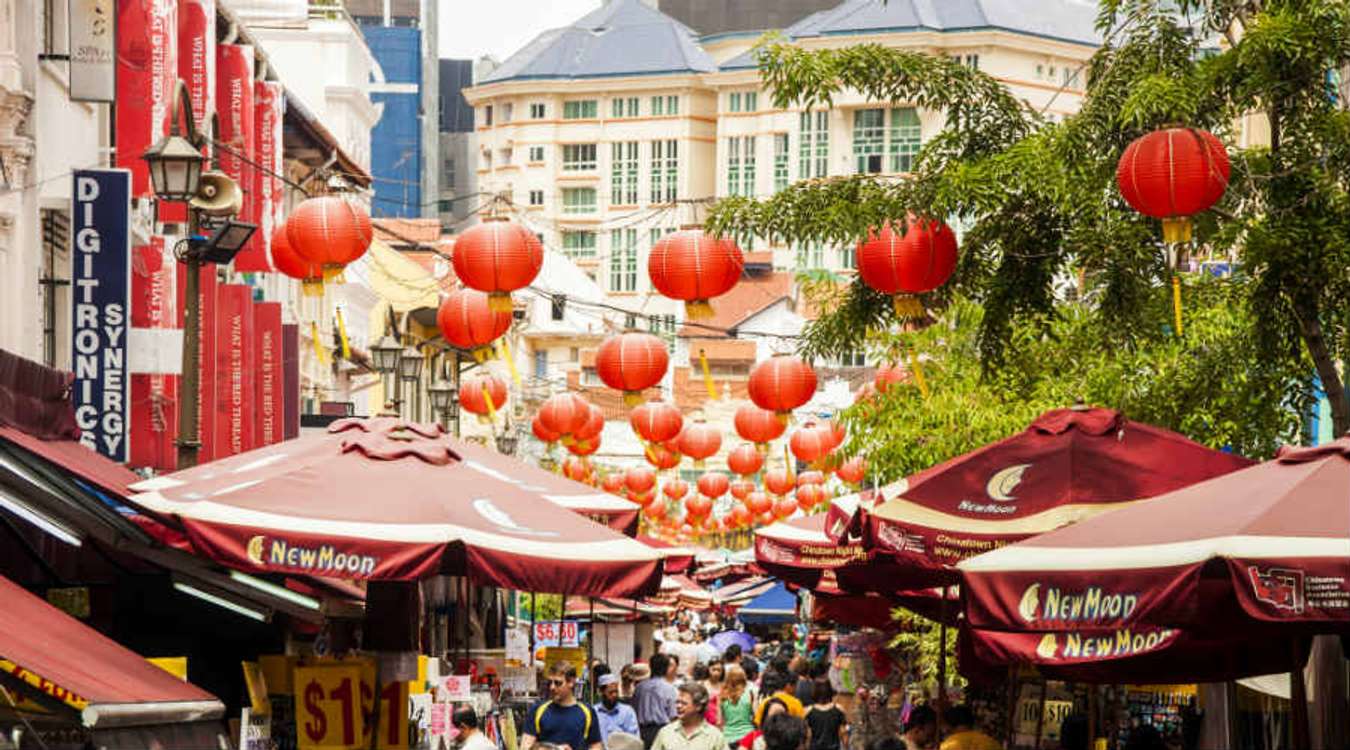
pixel 330 231
pixel 613 483
pixel 691 266
pixel 759 426
pixel 699 441
pixel 544 434
pixel 639 479
pixel 697 506
pixel 675 489
pixel 739 517
pixel 632 362
pixel 497 257
pixel 468 322
pixel 584 447
pixel 576 468
pixel 919 261
pixel 642 499
pixel 810 443
pixel 595 424
pixel 784 508
pixel 655 511
pixel 810 477
pixel 810 497
pixel 759 503
pixel 713 484
pixel 661 457
pixel 564 414
pixel 782 383
pixel 889 374
pixel 745 459
pixel 779 481
pixel 1171 174
pixel 741 489
pixel 483 395
pixel 656 421
pixel 853 470
pixel 286 260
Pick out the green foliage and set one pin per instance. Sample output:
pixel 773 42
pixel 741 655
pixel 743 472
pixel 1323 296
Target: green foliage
pixel 918 641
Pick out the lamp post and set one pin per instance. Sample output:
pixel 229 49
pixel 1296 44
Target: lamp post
pixel 175 164
pixel 385 354
pixel 443 396
pixel 409 371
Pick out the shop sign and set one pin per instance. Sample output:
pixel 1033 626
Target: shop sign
pixel 93 67
pixel 255 731
pixel 556 633
pixel 332 701
pixel 42 684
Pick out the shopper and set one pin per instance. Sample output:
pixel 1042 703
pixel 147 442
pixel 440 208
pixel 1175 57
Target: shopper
pixel 613 715
pixel 654 699
pixel 829 726
pixel 736 706
pixel 465 721
pixel 774 685
pixel 690 731
pixel 961 731
pixel 873 721
pixel 562 720
pixel 785 732
pixel 921 729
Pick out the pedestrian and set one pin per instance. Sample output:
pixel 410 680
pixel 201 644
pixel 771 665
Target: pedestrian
pixel 613 715
pixel 770 708
pixel 654 699
pixel 961 731
pixel 690 731
pixel 562 720
pixel 774 685
pixel 873 721
pixel 465 721
pixel 785 732
pixel 829 726
pixel 802 686
pixel 736 706
pixel 750 665
pixel 716 676
pixel 732 655
pixel 921 729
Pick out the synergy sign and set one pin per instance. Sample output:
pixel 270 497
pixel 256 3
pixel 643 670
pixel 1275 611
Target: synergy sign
pixel 100 279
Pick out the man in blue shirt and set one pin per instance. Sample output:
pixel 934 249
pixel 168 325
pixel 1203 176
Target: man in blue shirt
pixel 562 721
pixel 614 716
pixel 654 698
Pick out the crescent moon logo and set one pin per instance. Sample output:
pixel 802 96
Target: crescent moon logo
pixel 1031 601
pixel 254 550
pixel 1001 485
pixel 1048 646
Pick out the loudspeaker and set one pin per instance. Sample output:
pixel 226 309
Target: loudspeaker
pixel 218 195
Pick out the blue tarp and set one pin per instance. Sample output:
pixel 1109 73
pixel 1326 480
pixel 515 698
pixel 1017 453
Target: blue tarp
pixel 773 607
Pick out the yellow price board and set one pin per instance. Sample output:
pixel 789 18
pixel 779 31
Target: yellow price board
pixel 328 711
pixel 43 684
pixel 393 718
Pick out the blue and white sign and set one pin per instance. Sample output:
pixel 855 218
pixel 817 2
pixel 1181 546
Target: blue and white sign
pixel 100 283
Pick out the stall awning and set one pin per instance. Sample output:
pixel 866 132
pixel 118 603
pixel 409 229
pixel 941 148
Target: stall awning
pixel 111 685
pixel 773 607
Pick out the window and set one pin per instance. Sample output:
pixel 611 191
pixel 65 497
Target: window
pixel 665 171
pixel 623 260
pixel 579 245
pixel 578 157
pixel 623 178
pixel 536 153
pixel 743 101
pixel 578 200
pixel 672 105
pixel 537 111
pixel 487 158
pixel 1040 71
pixel 780 161
pixel 973 62
pixel 657 108
pixel 905 139
pixel 813 150
pixel 55 282
pixel 741 165
pixel 573 354
pixel 507 110
pixel 752 101
pixel 541 361
pixel 448 170
pixel 869 140
pixel 848 257
pixel 630 321
pixel 54 27
pixel 1070 75
pixel 852 358
pixel 504 156
pixel 734 101
pixel 625 107
pixel 590 377
pixel 487 115
pixel 811 255
pixel 536 197
pixel 580 109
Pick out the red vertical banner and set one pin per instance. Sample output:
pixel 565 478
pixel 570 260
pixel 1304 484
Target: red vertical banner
pixel 268 102
pixel 207 305
pixel 290 370
pixel 147 66
pixel 197 69
pixel 268 409
pixel 234 102
pixel 154 396
pixel 234 366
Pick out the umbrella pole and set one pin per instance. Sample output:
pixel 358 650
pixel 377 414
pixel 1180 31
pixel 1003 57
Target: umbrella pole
pixel 942 655
pixel 1014 692
pixel 1298 697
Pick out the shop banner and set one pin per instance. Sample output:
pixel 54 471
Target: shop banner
pixel 207 304
pixel 147 67
pixel 100 281
pixel 235 350
pixel 93 43
pixel 234 100
pixel 154 395
pixel 197 56
pixel 290 366
pixel 268 412
pixel 268 108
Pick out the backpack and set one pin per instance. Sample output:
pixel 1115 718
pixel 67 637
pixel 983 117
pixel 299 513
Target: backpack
pixel 539 717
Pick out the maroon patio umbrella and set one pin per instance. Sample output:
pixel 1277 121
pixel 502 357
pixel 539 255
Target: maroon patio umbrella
pixel 677 559
pixel 1069 465
pixel 383 499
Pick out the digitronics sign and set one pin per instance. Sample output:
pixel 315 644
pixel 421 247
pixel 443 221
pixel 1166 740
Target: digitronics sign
pixel 100 280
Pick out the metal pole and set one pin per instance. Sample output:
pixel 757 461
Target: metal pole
pixel 1298 698
pixel 454 380
pixel 1040 714
pixel 189 432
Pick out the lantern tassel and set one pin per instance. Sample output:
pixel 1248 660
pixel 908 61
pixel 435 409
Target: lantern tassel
pixel 698 309
pixel 505 354
pixel 500 302
pixel 787 464
pixel 917 367
pixel 333 274
pixel 1176 229
pixel 907 307
pixel 319 352
pixel 1176 302
pixel 342 335
pixel 632 398
pixel 492 408
pixel 707 375
pixel 482 354
pixel 312 287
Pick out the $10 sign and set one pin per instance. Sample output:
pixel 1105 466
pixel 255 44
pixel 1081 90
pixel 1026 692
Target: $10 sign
pixel 335 702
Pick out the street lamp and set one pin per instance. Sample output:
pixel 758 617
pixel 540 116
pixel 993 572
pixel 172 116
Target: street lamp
pixel 385 354
pixel 175 164
pixel 410 364
pixel 441 394
pixel 506 443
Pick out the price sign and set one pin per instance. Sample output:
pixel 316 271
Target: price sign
pixel 332 701
pixel 556 633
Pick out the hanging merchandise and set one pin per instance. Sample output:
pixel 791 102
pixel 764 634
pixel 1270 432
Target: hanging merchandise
pixel 656 421
pixel 331 231
pixel 780 384
pixel 483 395
pixel 1172 174
pixel 904 266
pixel 632 362
pixel 468 322
pixel 497 257
pixel 691 266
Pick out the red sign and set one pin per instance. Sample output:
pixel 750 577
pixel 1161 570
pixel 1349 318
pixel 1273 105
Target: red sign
pixel 234 100
pixel 290 368
pixel 147 65
pixel 235 350
pixel 197 68
pixel 268 107
pixel 268 410
pixel 154 396
pixel 206 354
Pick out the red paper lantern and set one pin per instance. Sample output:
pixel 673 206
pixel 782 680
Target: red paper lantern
pixel 889 374
pixel 758 503
pixel 697 506
pixel 497 257
pixel 655 511
pixel 662 457
pixel 675 489
pixel 782 383
pixel 920 261
pixel 699 441
pixel 1171 174
pixel 740 516
pixel 691 266
pixel 713 484
pixel 544 434
pixel 632 362
pixel 639 479
pixel 779 481
pixel 811 496
pixel 565 414
pixel 766 517
pixel 784 508
pixel 576 468
pixel 741 489
pixel 810 443
pixel 810 477
pixel 483 395
pixel 834 430
pixel 584 447
pixel 745 459
pixel 330 231
pixel 759 426
pixel 468 322
pixel 595 424
pixel 642 499
pixel 656 421
pixel 853 470
pixel 286 260
pixel 613 483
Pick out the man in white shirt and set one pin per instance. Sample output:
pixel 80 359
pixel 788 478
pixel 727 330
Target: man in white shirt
pixel 470 737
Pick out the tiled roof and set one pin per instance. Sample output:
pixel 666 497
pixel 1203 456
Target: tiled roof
pixel 622 38
pixel 745 299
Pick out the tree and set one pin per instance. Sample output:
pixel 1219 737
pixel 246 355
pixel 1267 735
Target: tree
pixel 1038 199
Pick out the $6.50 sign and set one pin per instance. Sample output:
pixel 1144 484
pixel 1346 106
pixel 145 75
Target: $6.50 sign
pixel 335 702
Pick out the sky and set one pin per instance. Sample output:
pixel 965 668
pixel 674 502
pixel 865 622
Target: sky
pixel 473 28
